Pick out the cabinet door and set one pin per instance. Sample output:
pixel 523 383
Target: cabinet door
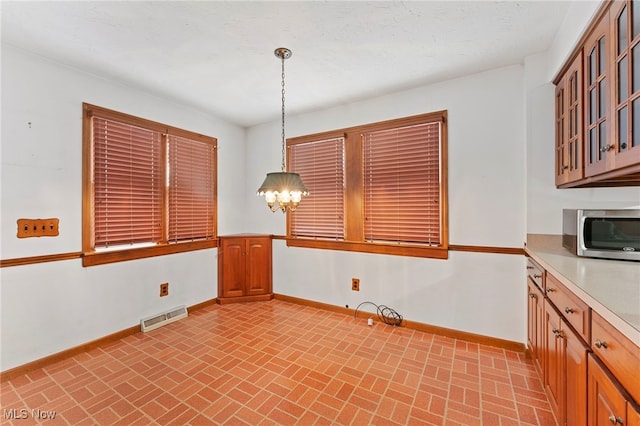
pixel 561 133
pixel 569 140
pixel 574 143
pixel 576 378
pixel 258 278
pixel 633 416
pixel 535 325
pixel 620 355
pixel 597 109
pixel 607 405
pixel 233 267
pixel 554 362
pixel 624 149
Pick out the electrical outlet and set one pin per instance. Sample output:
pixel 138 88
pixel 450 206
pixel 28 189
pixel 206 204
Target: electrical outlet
pixel 355 284
pixel 164 289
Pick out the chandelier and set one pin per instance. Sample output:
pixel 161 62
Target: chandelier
pixel 283 190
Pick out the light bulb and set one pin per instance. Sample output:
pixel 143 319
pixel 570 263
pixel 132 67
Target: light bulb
pixel 270 197
pixel 284 197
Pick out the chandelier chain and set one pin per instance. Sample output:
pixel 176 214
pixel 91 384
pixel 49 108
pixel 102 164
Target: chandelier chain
pixel 283 165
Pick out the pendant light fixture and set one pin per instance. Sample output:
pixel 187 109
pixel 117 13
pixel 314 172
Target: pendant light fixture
pixel 283 190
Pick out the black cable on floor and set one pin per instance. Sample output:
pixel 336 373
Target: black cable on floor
pixel 385 314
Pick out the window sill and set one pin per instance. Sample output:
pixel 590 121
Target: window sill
pixel 377 248
pixel 101 258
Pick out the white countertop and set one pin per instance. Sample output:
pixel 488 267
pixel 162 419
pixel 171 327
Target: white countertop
pixel 610 287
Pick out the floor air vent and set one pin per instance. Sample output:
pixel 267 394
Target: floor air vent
pixel 151 323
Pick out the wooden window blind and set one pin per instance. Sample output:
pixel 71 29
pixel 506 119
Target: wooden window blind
pixel 321 167
pixel 148 189
pixel 374 188
pixel 128 184
pixel 401 177
pixel 191 189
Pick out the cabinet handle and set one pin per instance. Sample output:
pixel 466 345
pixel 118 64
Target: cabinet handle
pixel 607 148
pixel 568 310
pixel 613 419
pixel 623 145
pixel 529 267
pixel 600 344
pixel 537 275
pixel 532 295
pixel 565 167
pixel 555 331
pixel 551 290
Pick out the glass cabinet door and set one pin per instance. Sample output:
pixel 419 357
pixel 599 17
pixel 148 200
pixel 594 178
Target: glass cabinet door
pixel 625 148
pixel 574 121
pixel 597 139
pixel 568 122
pixel 561 165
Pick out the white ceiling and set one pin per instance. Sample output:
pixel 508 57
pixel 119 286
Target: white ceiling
pixel 218 55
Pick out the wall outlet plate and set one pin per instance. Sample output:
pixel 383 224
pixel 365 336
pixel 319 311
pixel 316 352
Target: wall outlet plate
pixel 38 228
pixel 164 289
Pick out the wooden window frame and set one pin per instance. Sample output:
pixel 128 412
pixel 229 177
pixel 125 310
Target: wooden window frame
pixel 90 255
pixel 354 239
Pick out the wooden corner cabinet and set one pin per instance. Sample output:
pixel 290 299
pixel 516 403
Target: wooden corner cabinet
pixel 244 268
pixel 597 103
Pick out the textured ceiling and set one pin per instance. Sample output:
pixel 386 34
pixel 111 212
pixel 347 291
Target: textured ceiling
pixel 218 56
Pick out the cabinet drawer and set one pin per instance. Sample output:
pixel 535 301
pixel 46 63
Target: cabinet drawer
pixel 535 273
pixel 618 353
pixel 574 310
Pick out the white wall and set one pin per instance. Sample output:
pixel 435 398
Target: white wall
pixel 474 292
pixel 53 306
pixel 573 27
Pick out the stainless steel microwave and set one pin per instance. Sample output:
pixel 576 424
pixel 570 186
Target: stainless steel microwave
pixel 605 234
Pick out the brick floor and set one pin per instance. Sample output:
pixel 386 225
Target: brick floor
pixel 270 363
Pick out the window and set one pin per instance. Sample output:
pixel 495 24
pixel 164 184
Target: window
pixel 148 189
pixel 378 188
pixel 321 166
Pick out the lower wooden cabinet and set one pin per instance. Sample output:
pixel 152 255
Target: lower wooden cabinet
pixel 607 404
pixel 554 360
pixel 565 373
pixel 633 415
pixel 617 353
pixel 244 269
pixel 535 325
pixel 589 369
pixel 576 378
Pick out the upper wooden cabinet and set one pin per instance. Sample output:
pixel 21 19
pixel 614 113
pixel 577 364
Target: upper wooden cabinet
pixel 625 22
pixel 597 91
pixel 597 103
pixel 569 167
